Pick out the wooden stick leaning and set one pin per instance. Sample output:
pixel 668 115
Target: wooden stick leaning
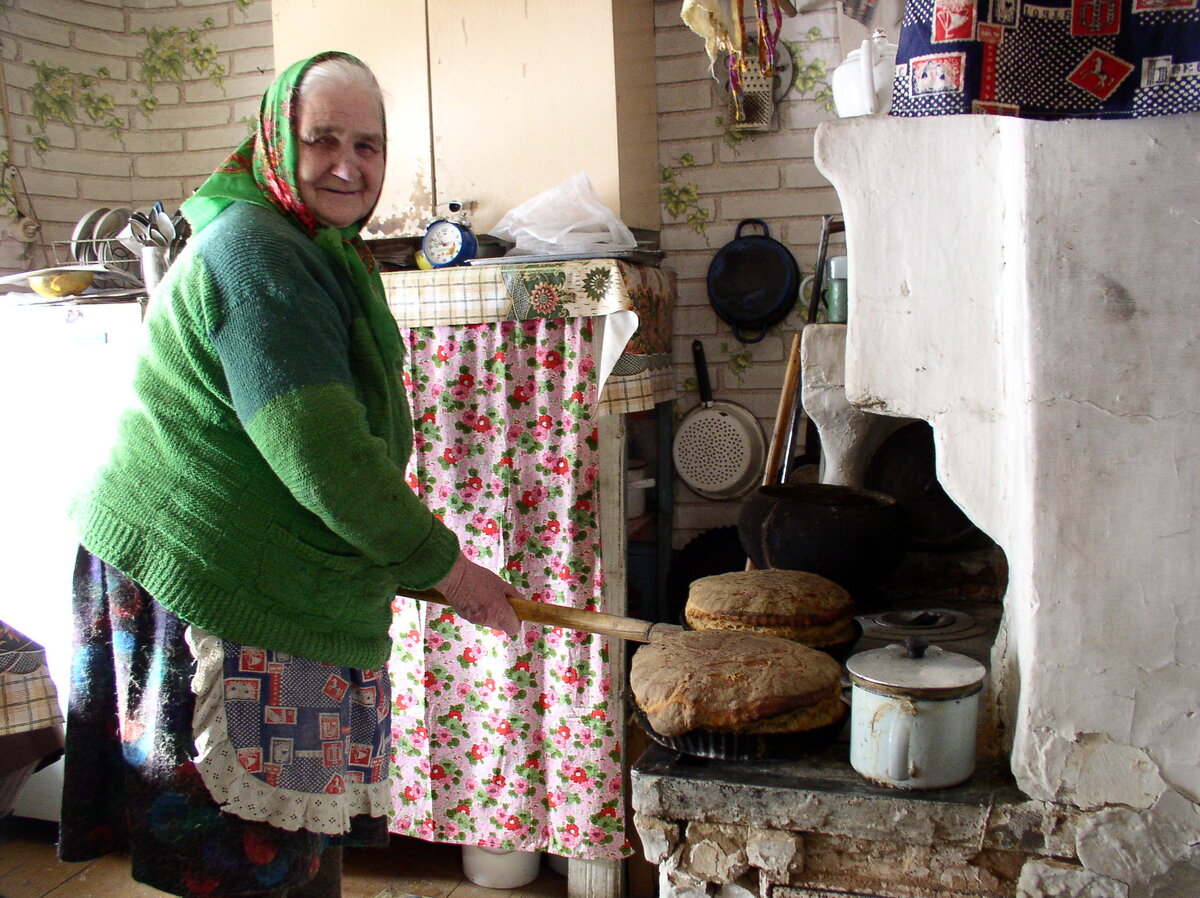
pixel 599 622
pixel 785 417
pixel 785 420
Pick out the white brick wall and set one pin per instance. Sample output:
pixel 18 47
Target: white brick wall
pixel 159 157
pixel 769 176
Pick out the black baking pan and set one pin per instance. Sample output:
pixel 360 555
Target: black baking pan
pixel 753 282
pixel 726 746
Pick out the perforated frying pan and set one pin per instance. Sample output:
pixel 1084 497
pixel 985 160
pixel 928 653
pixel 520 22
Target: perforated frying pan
pixel 719 448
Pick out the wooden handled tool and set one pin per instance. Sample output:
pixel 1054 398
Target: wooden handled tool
pixel 778 461
pixel 629 628
pixel 785 418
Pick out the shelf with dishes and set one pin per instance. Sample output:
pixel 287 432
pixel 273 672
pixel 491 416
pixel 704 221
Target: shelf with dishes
pixel 108 256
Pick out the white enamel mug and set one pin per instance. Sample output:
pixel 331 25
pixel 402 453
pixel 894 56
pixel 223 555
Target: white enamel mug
pixel 913 715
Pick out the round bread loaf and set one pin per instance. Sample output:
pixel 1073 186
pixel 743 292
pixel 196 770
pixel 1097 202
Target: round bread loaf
pixel 797 605
pixel 734 682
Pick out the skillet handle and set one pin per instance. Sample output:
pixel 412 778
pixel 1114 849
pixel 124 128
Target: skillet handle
pixel 766 232
pixel 706 394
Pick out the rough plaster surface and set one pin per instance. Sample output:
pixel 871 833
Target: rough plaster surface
pixel 1144 849
pixel 818 809
pixel 1037 308
pixel 716 853
pixel 677 884
pixel 1054 879
pixel 797 830
pixel 776 854
pixel 659 838
pixel 739 889
pixel 849 435
pixel 885 867
pixel 1087 765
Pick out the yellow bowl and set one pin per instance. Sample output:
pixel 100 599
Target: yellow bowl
pixel 61 283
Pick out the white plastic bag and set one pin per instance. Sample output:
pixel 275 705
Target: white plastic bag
pixel 568 218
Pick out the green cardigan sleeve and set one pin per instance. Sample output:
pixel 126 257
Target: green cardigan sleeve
pixel 317 441
pixel 326 411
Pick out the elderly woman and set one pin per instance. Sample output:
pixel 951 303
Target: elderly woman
pixel 229 718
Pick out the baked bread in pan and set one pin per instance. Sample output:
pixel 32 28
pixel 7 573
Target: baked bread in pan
pixel 796 605
pixel 726 681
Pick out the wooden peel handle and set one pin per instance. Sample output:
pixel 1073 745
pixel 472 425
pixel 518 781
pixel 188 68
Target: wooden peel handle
pixel 629 628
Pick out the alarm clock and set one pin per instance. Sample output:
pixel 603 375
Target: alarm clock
pixel 448 243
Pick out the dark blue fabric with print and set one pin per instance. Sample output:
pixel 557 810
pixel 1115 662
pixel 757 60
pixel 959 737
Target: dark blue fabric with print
pixel 1051 60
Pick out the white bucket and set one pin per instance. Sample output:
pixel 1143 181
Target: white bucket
pixel 496 869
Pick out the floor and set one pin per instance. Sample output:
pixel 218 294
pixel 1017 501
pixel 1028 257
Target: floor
pixel 410 867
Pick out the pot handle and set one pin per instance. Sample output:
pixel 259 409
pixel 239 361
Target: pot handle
pixel 749 338
pixel 899 743
pixel 866 59
pixel 766 232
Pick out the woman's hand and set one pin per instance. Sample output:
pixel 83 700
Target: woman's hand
pixel 480 596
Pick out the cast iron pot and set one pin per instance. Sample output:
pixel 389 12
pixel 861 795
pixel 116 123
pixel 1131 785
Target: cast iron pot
pixel 753 282
pixel 852 536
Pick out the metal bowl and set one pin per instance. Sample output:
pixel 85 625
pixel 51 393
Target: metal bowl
pixel 58 284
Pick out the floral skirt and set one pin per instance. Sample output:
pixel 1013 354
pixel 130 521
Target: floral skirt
pixel 132 781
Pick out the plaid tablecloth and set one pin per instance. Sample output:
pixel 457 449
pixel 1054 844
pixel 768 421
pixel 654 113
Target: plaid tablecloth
pixel 31 721
pixel 642 375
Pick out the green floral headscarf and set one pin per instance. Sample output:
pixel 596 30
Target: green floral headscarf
pixel 263 171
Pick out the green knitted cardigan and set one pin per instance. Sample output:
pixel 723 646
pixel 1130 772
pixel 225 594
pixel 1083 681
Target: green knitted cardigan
pixel 257 488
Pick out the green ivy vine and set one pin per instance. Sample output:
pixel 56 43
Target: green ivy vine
pixel 682 200
pixel 730 134
pixel 62 95
pixel 810 76
pixel 58 94
pixel 167 55
pixel 740 359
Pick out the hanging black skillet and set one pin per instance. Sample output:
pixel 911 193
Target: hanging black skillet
pixel 753 282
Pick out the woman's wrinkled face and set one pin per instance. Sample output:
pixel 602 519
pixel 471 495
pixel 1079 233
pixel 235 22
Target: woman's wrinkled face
pixel 341 153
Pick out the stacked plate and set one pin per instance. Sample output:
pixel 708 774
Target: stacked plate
pixel 96 239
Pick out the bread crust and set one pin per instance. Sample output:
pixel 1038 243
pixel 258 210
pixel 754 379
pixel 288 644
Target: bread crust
pixel 734 682
pixel 795 605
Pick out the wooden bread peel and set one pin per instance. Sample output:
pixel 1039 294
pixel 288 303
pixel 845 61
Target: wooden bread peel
pixel 776 469
pixel 628 628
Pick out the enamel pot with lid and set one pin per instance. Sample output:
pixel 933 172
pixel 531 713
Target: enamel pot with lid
pixel 913 714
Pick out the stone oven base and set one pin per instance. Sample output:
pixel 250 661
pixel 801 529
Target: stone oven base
pixel 815 827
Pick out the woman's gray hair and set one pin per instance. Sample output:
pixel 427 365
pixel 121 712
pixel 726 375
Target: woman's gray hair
pixel 341 72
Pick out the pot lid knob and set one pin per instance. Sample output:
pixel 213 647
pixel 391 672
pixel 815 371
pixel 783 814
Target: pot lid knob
pixel 916 669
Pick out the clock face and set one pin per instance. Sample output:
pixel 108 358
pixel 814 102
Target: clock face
pixel 446 243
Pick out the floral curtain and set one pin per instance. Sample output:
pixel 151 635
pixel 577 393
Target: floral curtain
pixel 508 743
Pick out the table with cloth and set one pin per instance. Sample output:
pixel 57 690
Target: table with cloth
pixel 505 743
pixel 31 721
